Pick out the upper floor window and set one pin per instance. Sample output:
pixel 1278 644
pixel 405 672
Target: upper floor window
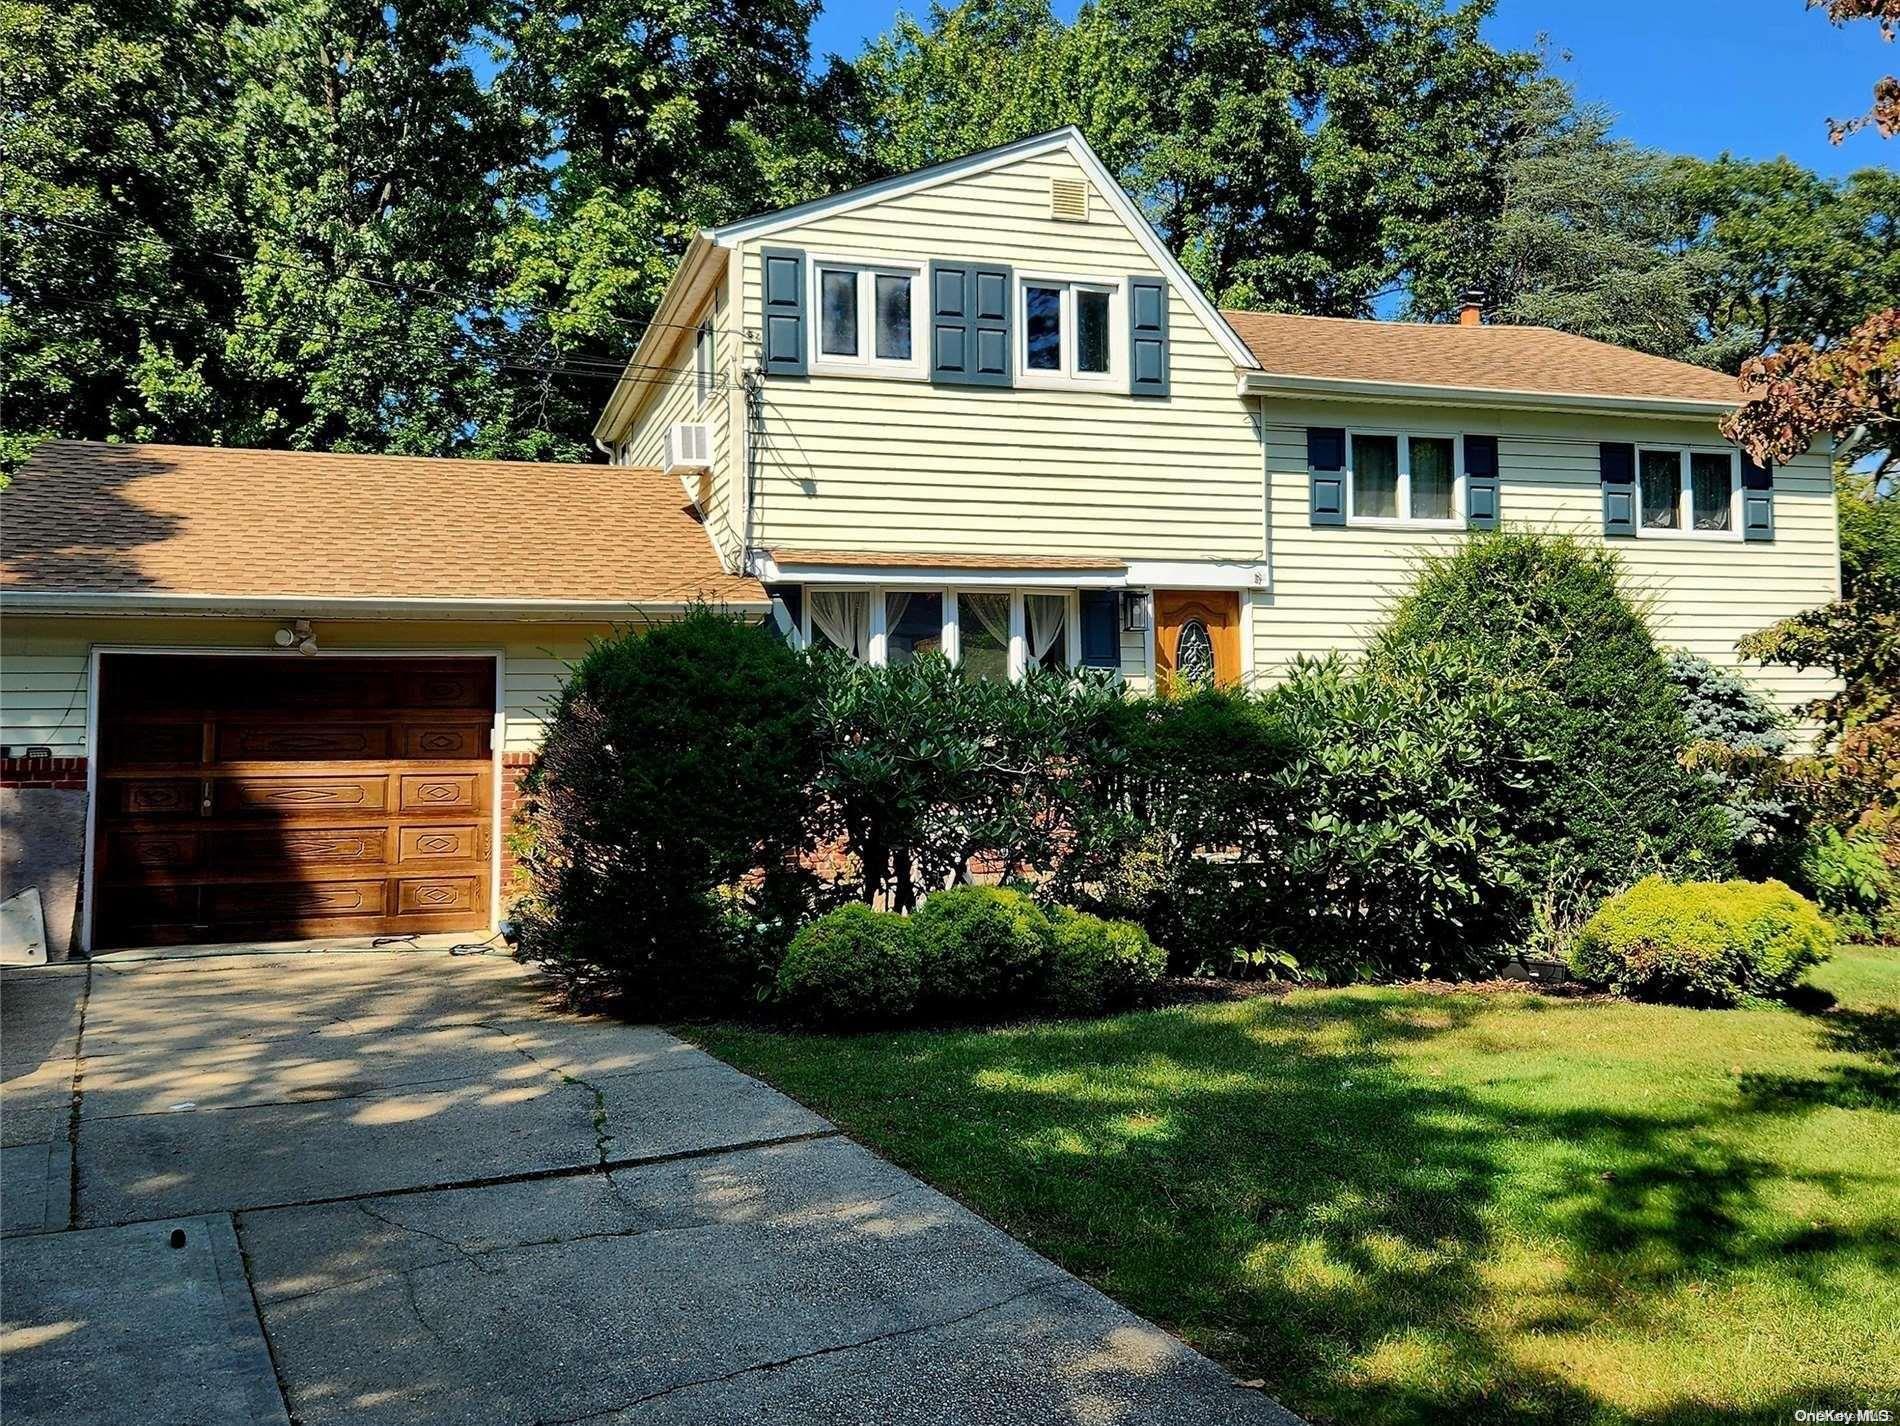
pixel 867 318
pixel 1072 332
pixel 1688 492
pixel 1400 479
pixel 703 362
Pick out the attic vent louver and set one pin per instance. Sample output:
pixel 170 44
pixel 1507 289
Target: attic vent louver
pixel 1069 200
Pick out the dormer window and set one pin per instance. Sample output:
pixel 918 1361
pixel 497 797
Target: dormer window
pixel 868 317
pixel 1072 332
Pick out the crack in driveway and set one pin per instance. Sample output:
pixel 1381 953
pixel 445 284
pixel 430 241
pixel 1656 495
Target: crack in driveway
pixel 895 1334
pixel 471 1256
pixel 480 1258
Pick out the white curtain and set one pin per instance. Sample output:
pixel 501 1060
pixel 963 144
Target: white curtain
pixel 844 617
pixel 991 611
pixel 1044 616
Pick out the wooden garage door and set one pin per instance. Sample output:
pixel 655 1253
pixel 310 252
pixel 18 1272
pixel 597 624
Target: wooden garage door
pixel 249 798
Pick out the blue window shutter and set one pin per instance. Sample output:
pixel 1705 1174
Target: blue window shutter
pixel 969 324
pixel 1148 336
pixel 783 278
pixel 1482 482
pixel 989 312
pixel 792 598
pixel 950 356
pixel 1101 628
pixel 1326 475
pixel 1616 464
pixel 1758 500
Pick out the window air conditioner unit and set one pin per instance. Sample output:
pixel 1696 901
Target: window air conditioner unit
pixel 688 447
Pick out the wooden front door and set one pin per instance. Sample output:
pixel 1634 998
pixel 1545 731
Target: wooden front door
pixel 255 798
pixel 1197 638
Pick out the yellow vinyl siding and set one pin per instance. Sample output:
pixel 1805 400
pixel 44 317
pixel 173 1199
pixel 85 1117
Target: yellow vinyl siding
pixel 44 663
pixel 675 397
pixel 880 464
pixel 1332 584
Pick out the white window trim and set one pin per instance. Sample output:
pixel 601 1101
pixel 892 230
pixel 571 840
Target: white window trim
pixel 878 651
pixel 866 362
pixel 1407 521
pixel 1685 494
pixel 1068 378
pixel 705 363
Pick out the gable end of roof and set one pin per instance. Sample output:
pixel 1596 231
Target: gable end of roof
pixel 1067 140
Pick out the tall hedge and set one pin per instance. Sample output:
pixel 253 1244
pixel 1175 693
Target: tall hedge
pixel 1553 615
pixel 676 762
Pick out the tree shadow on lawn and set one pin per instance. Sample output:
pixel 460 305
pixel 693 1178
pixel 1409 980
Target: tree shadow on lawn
pixel 1271 1182
pixel 1874 1034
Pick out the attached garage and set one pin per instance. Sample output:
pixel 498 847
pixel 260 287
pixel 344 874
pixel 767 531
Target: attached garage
pixel 249 799
pixel 274 695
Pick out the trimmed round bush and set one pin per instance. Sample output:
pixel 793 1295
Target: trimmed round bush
pixel 1098 964
pixel 852 966
pixel 1702 942
pixel 981 947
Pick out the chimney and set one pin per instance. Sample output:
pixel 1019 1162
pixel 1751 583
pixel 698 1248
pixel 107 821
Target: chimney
pixel 1471 314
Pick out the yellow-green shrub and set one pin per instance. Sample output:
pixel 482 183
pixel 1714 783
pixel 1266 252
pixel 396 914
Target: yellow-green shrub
pixel 1099 964
pixel 1702 942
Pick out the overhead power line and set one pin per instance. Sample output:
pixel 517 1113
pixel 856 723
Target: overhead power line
pixel 589 368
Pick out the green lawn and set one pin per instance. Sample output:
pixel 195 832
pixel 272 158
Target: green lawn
pixel 1401 1206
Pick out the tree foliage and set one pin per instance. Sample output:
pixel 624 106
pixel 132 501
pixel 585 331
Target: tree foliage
pixel 441 227
pixel 1849 390
pixel 1884 116
pixel 1702 261
pixel 1305 155
pixel 433 228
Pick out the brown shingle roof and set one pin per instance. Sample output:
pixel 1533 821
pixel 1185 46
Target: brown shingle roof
pixel 87 517
pixel 889 559
pixel 1486 358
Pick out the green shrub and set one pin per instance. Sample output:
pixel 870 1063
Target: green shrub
pixel 852 966
pixel 1098 964
pixel 1853 883
pixel 923 768
pixel 1550 615
pixel 981 948
pixel 1702 942
pixel 1737 739
pixel 675 762
pixel 1402 844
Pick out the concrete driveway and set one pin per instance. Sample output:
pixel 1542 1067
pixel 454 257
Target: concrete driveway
pixel 393 1187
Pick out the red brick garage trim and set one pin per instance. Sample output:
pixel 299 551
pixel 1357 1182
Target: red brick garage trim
pixel 514 767
pixel 65 774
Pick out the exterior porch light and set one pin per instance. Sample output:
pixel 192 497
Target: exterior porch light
pixel 1134 610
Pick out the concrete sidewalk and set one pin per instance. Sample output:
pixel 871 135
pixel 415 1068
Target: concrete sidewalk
pixel 398 1187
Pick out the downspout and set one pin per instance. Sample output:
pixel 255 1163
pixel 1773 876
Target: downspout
pixel 1266 494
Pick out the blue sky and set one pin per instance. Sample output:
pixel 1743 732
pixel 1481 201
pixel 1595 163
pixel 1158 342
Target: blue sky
pixel 1755 77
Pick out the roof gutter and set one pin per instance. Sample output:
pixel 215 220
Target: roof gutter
pixel 329 606
pixel 700 267
pixel 1331 388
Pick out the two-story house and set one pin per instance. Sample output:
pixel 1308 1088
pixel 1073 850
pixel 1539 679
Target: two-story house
pixel 979 409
